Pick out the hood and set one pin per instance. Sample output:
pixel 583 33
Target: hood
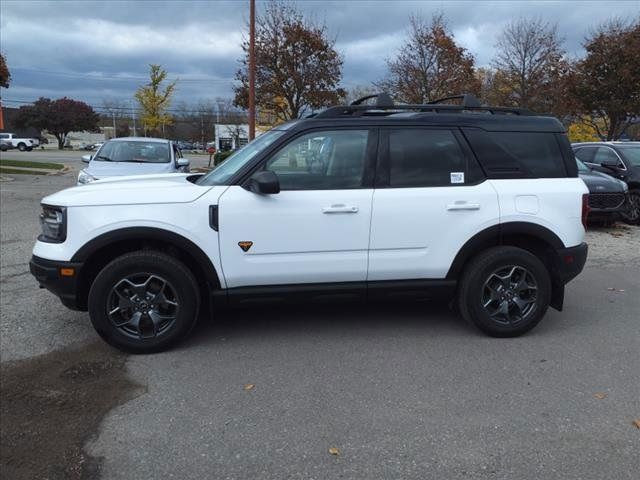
pixel 132 190
pixel 100 169
pixel 598 182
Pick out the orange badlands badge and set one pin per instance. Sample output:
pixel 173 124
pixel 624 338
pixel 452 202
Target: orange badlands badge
pixel 245 246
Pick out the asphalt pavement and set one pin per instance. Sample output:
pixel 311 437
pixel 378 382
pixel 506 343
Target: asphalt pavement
pixel 399 391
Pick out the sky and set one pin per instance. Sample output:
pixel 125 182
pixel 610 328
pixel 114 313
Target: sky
pixel 94 51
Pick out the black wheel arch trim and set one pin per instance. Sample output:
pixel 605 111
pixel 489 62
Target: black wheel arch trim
pixel 494 235
pixel 150 234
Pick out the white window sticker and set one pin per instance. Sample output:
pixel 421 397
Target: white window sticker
pixel 457 177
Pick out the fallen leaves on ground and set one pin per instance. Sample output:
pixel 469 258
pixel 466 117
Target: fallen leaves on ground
pixel 636 422
pixel 335 451
pixel 249 386
pixel 600 395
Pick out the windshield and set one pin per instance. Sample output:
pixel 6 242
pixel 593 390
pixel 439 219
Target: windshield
pixel 223 172
pixel 631 153
pixel 582 167
pixel 141 152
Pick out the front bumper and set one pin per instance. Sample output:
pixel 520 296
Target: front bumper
pixel 49 275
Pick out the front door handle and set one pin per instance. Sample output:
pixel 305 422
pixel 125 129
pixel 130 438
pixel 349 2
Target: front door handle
pixel 340 208
pixel 463 206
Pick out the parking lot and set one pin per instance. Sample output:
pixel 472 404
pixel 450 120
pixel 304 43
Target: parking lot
pixel 400 391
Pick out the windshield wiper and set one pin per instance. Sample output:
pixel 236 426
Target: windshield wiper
pixel 102 157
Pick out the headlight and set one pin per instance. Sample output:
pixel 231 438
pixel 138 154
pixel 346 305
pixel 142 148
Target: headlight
pixel 84 177
pixel 53 221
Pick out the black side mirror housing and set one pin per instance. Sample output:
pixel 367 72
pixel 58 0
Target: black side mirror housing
pixel 264 182
pixel 614 164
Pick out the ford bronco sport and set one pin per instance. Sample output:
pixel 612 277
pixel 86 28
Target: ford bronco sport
pixel 477 204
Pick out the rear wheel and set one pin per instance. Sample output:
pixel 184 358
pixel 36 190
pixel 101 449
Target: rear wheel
pixel 631 214
pixel 144 302
pixel 504 291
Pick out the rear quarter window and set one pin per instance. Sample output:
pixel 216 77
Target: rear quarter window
pixel 518 154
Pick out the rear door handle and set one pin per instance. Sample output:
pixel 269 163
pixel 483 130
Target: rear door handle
pixel 463 206
pixel 340 208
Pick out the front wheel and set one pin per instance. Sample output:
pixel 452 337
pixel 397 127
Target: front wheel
pixel 144 302
pixel 631 214
pixel 22 147
pixel 504 291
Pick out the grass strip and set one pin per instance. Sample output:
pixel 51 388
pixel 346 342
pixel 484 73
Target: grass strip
pixel 8 171
pixel 27 164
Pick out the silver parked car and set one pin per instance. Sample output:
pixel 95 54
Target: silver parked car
pixel 133 156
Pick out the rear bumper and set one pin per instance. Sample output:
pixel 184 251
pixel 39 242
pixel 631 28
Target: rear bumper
pixel 49 276
pixel 570 262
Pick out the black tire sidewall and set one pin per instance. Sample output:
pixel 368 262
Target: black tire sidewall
pixel 624 216
pixel 176 273
pixel 479 272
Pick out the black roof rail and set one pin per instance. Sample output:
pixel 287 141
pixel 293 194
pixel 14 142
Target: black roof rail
pixel 468 100
pixel 383 99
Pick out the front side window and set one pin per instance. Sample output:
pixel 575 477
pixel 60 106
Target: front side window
pixel 605 154
pixel 139 152
pixel 224 172
pixel 323 160
pixel 631 153
pixel 425 158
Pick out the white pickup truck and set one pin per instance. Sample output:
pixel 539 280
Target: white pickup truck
pixel 20 143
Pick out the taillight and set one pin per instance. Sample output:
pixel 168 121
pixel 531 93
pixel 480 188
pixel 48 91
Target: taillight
pixel 585 209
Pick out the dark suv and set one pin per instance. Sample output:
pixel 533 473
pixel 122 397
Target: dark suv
pixel 620 160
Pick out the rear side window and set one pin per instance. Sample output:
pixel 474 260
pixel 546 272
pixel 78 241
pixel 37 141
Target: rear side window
pixel 425 158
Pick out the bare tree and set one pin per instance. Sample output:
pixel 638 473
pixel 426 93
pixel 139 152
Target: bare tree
pixel 529 65
pixel 430 64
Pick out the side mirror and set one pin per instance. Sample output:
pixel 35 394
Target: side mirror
pixel 182 162
pixel 264 182
pixel 86 158
pixel 610 163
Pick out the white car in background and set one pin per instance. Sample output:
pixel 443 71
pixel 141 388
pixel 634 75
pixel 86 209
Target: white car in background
pixel 133 156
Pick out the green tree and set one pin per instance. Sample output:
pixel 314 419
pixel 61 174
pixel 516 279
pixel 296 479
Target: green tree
pixel 297 66
pixel 5 76
pixel 606 83
pixel 154 100
pixel 58 117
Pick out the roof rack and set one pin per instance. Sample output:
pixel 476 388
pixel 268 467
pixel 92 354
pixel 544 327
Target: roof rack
pixel 385 106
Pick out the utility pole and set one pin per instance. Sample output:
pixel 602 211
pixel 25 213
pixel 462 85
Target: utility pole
pixel 113 114
pixel 252 69
pixel 204 146
pixel 133 114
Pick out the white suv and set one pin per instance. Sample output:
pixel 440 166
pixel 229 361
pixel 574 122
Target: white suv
pixel 479 204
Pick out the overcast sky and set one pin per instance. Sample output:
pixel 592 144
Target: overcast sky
pixel 98 50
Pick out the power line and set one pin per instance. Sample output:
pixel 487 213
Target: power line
pixel 109 110
pixel 112 76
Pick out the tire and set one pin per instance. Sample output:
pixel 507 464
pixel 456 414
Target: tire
pixel 22 147
pixel 481 282
pixel 631 214
pixel 144 302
